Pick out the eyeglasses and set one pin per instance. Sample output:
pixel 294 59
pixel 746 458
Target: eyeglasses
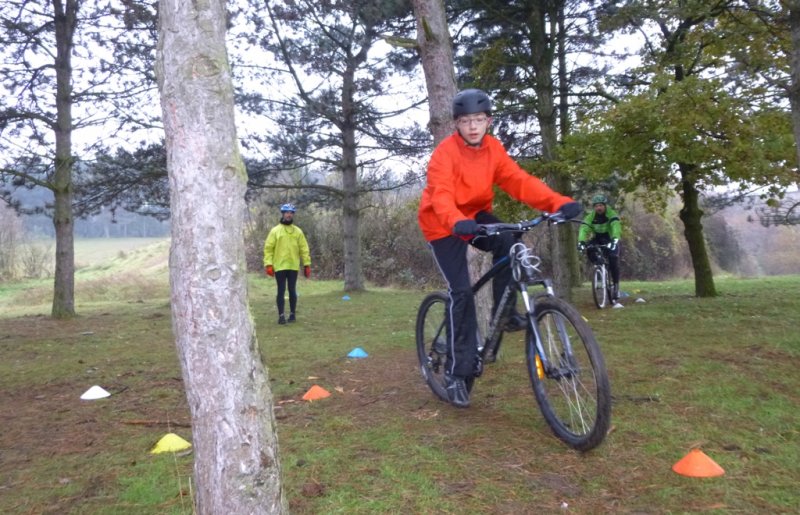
pixel 465 121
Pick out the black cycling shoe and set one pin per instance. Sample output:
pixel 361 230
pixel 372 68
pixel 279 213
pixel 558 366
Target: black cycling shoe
pixel 281 319
pixel 516 322
pixel 291 317
pixel 457 392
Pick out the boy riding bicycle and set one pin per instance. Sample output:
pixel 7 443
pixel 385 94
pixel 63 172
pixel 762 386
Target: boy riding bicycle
pixel 605 227
pixel 458 195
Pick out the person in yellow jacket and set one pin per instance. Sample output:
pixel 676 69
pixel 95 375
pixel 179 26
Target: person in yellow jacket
pixel 284 249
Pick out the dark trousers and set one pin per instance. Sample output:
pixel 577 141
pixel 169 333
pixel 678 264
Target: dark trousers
pixel 613 256
pixel 450 254
pixel 286 278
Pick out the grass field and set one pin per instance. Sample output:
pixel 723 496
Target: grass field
pixel 719 374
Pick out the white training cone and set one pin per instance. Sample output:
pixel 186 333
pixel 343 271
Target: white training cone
pixel 93 393
pixel 170 442
pixel 640 300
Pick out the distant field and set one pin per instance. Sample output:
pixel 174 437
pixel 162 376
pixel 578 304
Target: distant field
pixel 96 251
pixel 105 269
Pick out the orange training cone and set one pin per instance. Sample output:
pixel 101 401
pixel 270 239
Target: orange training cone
pixel 315 393
pixel 697 464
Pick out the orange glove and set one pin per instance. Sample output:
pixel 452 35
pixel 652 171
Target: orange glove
pixel 307 272
pixel 269 271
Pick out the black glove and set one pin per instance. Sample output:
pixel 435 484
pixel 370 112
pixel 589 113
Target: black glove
pixel 570 210
pixel 466 227
pixel 581 246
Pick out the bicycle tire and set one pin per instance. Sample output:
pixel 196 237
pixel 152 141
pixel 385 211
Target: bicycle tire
pixel 431 333
pixel 609 286
pixel 599 291
pixel 575 395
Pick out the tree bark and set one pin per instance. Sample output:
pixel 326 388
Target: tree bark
pixel 237 466
pixel 436 51
pixel 571 237
pixel 691 216
pixel 65 20
pixel 794 87
pixel 543 26
pixel 353 273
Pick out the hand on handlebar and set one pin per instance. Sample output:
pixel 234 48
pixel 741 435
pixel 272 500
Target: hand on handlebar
pixel 569 210
pixel 581 246
pixel 466 227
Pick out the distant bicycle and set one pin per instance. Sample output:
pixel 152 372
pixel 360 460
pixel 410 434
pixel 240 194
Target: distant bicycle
pixel 602 285
pixel 565 365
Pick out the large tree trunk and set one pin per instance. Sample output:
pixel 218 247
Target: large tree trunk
pixel 233 426
pixel 63 221
pixel 353 274
pixel 691 216
pixel 794 88
pixel 436 51
pixel 544 24
pixel 573 260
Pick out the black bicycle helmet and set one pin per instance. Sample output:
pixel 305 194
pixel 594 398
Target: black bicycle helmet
pixel 471 101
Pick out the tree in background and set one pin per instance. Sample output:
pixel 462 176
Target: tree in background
pixel 237 467
pixel 684 123
pixel 775 61
pixel 132 180
pixel 336 122
pixel 47 100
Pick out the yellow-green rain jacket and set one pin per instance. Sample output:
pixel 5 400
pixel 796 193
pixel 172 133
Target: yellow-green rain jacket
pixel 285 246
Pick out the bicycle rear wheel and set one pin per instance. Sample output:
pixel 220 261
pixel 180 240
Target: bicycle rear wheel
pixel 599 291
pixel 574 393
pixel 432 338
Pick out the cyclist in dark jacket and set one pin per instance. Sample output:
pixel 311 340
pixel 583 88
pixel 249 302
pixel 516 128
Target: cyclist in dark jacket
pixel 604 227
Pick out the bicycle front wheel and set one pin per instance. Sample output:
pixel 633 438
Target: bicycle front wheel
pixel 432 338
pixel 609 286
pixel 599 287
pixel 573 390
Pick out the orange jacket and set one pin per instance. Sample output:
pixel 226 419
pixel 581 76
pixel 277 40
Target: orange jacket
pixel 460 179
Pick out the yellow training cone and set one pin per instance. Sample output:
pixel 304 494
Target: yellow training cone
pixel 170 442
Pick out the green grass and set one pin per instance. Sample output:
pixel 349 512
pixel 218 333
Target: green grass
pixel 719 374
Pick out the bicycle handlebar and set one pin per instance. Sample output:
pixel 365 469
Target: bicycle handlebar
pixel 526 225
pixel 599 245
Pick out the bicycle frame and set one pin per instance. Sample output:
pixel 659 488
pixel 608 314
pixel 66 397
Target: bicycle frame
pixel 603 251
pixel 523 275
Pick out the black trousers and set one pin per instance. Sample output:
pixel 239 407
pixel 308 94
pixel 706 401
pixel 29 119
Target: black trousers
pixel 450 254
pixel 286 278
pixel 613 256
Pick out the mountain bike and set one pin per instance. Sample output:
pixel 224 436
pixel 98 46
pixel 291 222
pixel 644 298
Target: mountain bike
pixel 602 284
pixel 565 365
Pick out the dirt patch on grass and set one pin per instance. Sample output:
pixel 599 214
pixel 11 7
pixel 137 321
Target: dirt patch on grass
pixel 387 389
pixel 59 453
